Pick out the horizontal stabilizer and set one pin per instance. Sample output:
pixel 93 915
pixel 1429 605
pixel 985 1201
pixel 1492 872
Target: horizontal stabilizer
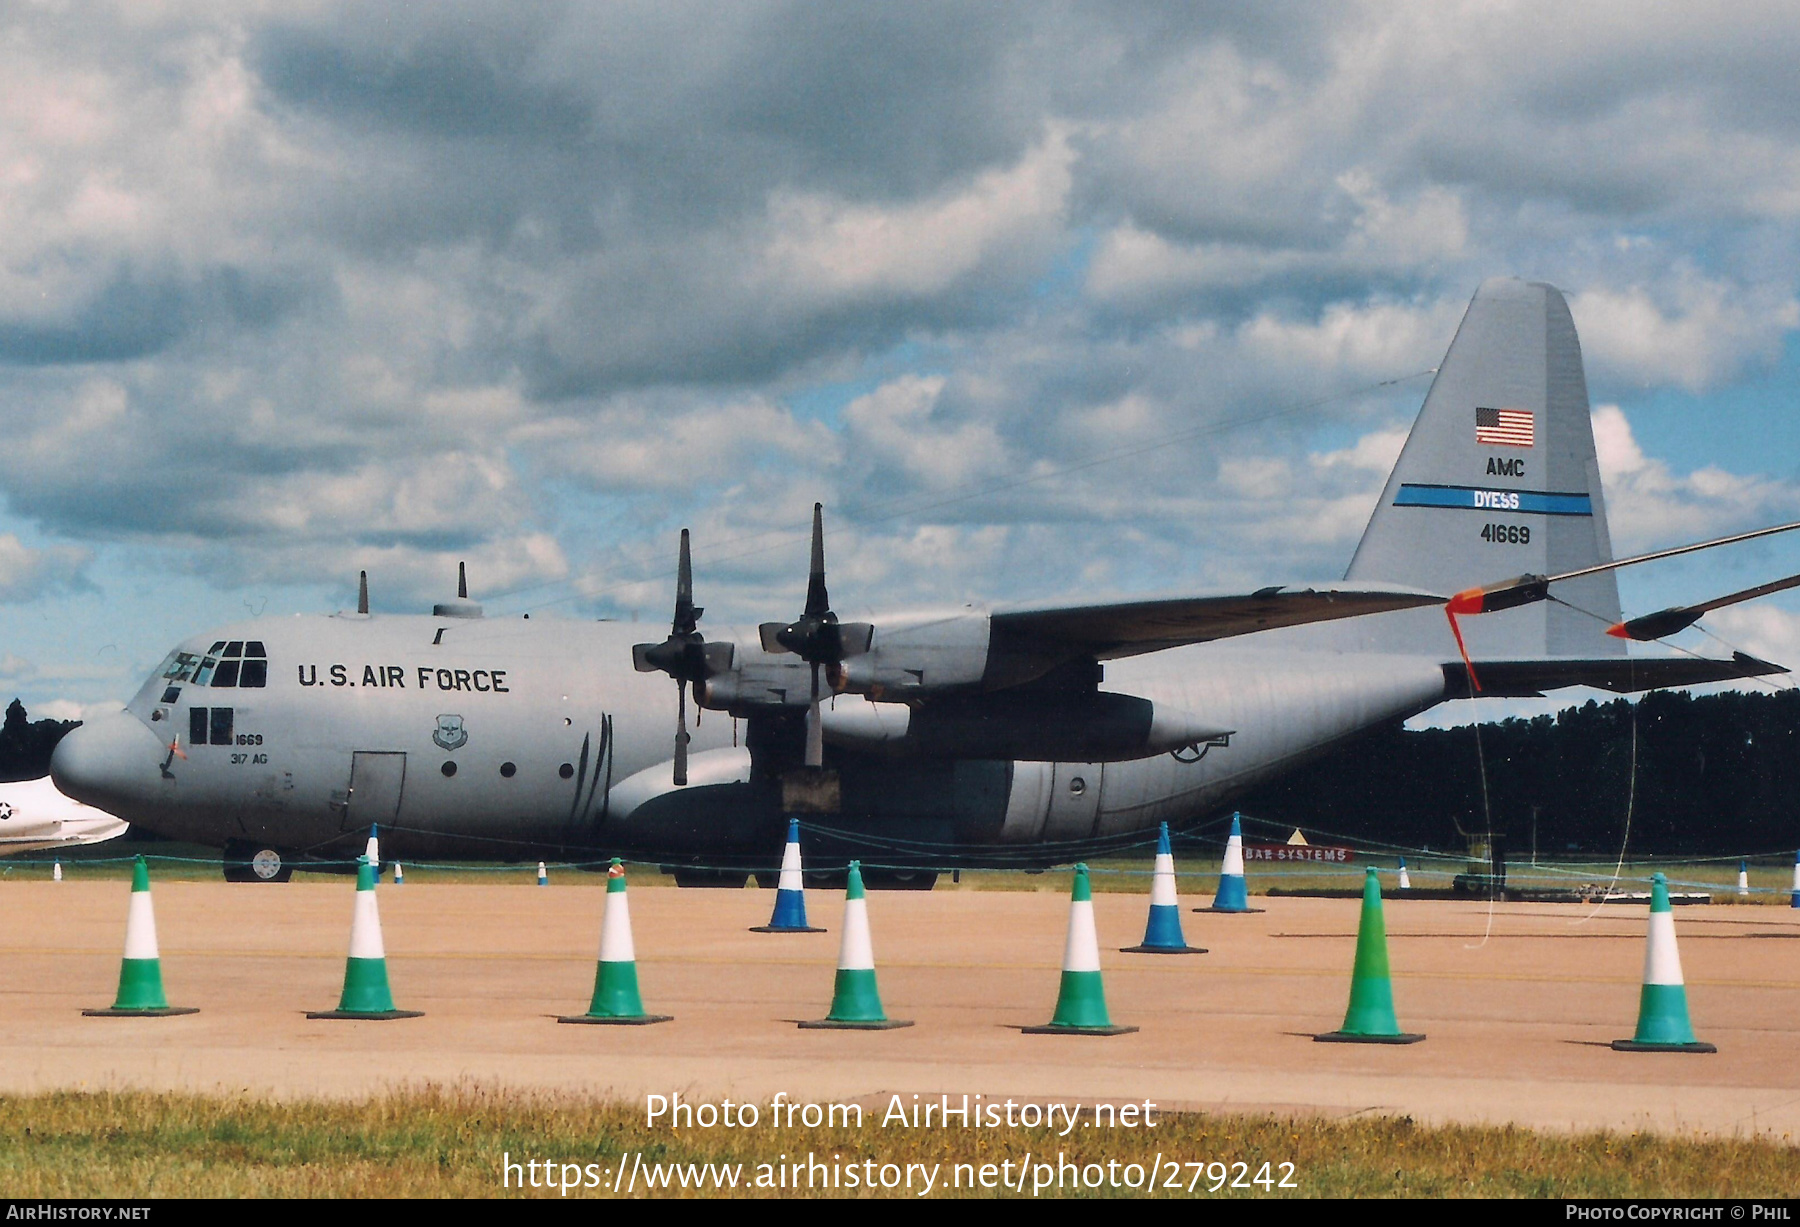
pixel 1622 675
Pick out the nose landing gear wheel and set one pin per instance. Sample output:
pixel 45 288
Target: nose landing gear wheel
pixel 255 863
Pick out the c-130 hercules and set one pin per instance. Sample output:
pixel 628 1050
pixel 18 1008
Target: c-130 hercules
pixel 929 738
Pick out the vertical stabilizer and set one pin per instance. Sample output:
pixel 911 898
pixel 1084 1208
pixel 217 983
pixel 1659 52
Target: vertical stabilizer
pixel 1498 479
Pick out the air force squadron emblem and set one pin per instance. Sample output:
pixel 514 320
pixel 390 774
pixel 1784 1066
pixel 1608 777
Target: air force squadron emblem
pixel 451 734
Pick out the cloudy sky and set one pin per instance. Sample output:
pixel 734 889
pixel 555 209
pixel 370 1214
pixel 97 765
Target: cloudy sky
pixel 1106 297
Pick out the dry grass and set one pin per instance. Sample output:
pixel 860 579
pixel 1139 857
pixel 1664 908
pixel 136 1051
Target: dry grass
pixel 448 1143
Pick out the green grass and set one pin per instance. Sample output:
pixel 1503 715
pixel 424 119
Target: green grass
pixel 449 1143
pixel 1771 881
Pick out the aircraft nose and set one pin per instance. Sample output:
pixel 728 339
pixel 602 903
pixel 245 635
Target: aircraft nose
pixel 113 762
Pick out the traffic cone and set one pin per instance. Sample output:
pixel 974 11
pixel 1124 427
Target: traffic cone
pixel 372 849
pixel 1796 896
pixel 366 993
pixel 616 998
pixel 1405 881
pixel 855 1000
pixel 1370 1018
pixel 1233 895
pixel 56 870
pixel 544 875
pixel 1162 933
pixel 1662 1024
pixel 1081 997
pixel 399 875
pixel 140 974
pixel 1743 877
pixel 790 892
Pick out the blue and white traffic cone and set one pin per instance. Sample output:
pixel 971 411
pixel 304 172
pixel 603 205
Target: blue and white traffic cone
pixel 140 975
pixel 372 849
pixel 1162 934
pixel 1743 877
pixel 399 875
pixel 1233 894
pixel 1405 881
pixel 56 871
pixel 616 998
pixel 366 993
pixel 790 891
pixel 1663 1024
pixel 543 874
pixel 1796 896
pixel 855 998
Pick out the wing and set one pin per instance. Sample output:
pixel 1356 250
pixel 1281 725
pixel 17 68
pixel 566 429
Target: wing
pixel 1109 630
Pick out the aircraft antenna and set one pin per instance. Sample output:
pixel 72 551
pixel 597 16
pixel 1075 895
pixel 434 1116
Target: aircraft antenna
pixel 362 592
pixel 462 580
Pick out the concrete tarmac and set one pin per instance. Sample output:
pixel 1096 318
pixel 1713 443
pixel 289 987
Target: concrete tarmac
pixel 1519 1002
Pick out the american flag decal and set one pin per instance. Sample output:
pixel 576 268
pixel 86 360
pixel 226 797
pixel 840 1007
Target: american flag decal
pixel 1505 427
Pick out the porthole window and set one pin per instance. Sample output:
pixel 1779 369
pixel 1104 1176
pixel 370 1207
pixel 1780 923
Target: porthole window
pixel 566 770
pixel 508 770
pixel 1077 786
pixel 449 769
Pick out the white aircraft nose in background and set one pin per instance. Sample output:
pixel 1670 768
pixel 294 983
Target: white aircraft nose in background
pixel 35 815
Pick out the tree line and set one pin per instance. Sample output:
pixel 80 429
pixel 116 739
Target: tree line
pixel 25 744
pixel 1709 775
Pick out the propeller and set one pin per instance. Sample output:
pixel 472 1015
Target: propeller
pixel 817 637
pixel 684 655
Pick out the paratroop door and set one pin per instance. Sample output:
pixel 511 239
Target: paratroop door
pixel 1074 801
pixel 376 778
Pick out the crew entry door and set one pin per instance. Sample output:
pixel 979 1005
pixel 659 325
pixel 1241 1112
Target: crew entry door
pixel 376 778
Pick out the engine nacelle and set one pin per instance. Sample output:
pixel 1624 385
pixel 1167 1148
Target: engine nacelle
pixel 915 655
pixel 1101 727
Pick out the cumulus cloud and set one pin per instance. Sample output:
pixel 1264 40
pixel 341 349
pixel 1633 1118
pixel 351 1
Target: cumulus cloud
pixel 1648 503
pixel 1705 331
pixel 1076 295
pixel 27 573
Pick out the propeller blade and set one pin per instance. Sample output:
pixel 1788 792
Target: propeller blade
pixel 815 726
pixel 681 733
pixel 818 603
pixel 687 618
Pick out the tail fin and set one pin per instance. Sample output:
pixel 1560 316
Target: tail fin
pixel 1499 479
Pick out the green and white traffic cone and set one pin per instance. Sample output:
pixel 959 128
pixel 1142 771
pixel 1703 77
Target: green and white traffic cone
pixel 1663 1024
pixel 1081 997
pixel 616 998
pixel 366 993
pixel 855 1000
pixel 140 974
pixel 1370 1018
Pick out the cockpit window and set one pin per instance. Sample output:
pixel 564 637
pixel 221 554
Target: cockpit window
pixel 180 666
pixel 240 664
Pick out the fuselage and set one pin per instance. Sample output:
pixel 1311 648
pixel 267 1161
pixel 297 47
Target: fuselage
pixel 508 738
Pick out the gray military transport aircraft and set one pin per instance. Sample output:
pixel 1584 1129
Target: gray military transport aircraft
pixel 924 739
